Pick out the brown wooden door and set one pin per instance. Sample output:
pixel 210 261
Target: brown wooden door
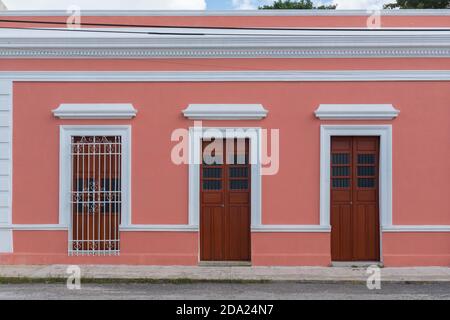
pixel 225 201
pixel 355 234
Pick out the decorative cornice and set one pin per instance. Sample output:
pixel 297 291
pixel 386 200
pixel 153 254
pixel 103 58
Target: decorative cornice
pixel 95 111
pixel 356 112
pixel 223 13
pixel 137 43
pixel 118 53
pixel 225 112
pixel 227 76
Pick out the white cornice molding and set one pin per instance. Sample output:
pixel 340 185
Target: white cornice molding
pixel 225 13
pixel 227 76
pixel 224 44
pixel 356 112
pixel 225 112
pixel 95 111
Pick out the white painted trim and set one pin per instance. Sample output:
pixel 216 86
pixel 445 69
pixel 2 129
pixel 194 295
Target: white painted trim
pixel 307 43
pixel 39 227
pixel 260 228
pixel 385 187
pixel 66 131
pixel 356 112
pixel 417 228
pixel 225 112
pixel 6 126
pixel 227 76
pixel 291 228
pixel 6 241
pixel 195 136
pixel 226 13
pixel 95 111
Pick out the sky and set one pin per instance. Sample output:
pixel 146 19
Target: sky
pixel 174 4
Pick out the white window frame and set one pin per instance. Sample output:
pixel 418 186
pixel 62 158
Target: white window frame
pixel 195 136
pixel 385 169
pixel 65 173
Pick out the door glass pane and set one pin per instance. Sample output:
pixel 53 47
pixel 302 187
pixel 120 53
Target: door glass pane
pixel 341 183
pixel 366 182
pixel 212 172
pixel 239 172
pixel 340 158
pixel 238 184
pixel 340 171
pixel 366 159
pixel 366 171
pixel 212 184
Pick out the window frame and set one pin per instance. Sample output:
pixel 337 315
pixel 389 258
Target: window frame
pixel 65 167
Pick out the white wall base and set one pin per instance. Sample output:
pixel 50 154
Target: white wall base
pixel 6 241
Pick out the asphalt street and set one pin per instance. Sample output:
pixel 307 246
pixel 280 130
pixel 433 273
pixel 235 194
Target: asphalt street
pixel 227 291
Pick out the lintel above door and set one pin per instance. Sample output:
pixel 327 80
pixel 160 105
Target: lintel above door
pixel 356 112
pixel 225 112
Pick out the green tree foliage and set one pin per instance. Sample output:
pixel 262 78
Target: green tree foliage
pixel 419 4
pixel 299 4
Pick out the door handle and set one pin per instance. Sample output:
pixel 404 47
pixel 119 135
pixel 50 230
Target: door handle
pixel 222 205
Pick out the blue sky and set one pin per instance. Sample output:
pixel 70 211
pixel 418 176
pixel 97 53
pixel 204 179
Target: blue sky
pixel 173 4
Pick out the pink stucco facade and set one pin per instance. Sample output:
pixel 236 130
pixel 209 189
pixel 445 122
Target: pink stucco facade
pixel 420 148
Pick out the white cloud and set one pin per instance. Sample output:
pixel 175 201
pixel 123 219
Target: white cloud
pixel 249 4
pixel 361 4
pixel 106 4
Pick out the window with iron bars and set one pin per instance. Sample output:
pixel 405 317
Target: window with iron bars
pixel 96 195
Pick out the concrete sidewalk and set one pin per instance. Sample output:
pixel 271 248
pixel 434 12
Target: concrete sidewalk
pixel 172 273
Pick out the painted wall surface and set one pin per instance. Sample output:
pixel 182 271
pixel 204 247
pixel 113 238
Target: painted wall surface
pixel 160 188
pixel 421 148
pixel 247 21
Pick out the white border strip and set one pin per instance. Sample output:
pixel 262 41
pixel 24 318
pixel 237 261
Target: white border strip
pixel 259 229
pixel 417 228
pixel 6 124
pixel 227 76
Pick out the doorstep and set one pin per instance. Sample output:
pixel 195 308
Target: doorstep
pixel 224 264
pixel 356 264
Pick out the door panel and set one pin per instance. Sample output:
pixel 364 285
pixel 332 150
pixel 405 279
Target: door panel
pixel 225 201
pixel 354 199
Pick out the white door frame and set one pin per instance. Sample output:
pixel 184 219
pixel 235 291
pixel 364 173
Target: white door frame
pixel 385 169
pixel 196 134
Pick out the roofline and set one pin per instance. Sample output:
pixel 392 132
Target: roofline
pixel 155 13
pixel 54 43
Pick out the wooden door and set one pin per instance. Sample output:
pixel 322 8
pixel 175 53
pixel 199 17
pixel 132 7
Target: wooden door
pixel 355 234
pixel 225 201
